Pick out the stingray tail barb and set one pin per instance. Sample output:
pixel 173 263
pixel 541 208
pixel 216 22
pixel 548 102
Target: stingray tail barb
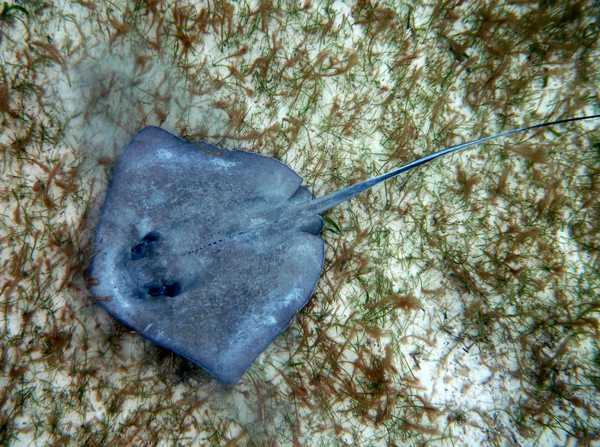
pixel 322 204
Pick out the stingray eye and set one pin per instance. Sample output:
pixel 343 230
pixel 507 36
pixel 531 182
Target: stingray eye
pixel 152 236
pixel 144 247
pixel 155 290
pixel 165 288
pixel 138 251
pixel 172 288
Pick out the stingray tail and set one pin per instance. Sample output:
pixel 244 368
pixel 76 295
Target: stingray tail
pixel 320 205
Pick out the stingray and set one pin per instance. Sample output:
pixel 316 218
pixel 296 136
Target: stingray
pixel 210 252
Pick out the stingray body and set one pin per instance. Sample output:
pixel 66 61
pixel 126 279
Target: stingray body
pixel 209 252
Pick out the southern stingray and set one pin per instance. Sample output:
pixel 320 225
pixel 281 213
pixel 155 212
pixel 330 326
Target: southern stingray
pixel 211 252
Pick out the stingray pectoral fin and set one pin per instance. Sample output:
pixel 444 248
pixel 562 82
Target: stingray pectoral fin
pixel 261 285
pixel 236 297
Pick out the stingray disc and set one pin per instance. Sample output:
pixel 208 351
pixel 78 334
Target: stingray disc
pixel 189 252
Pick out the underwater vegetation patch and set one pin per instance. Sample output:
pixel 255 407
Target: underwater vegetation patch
pixel 458 305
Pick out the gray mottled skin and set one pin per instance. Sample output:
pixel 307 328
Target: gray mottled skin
pixel 210 252
pixel 215 216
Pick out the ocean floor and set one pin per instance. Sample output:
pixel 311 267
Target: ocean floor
pixel 458 304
